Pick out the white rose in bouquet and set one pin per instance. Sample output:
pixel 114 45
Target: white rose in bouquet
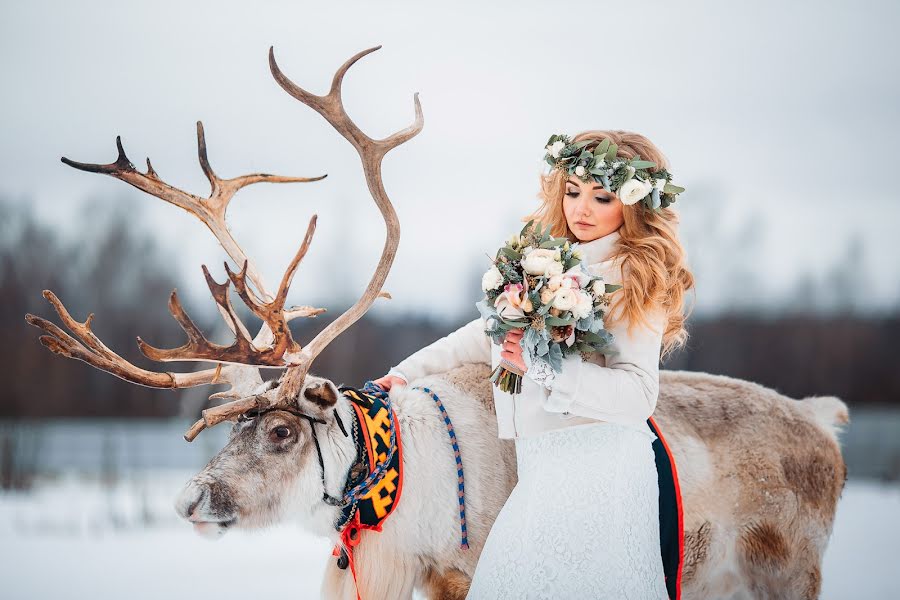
pixel 541 261
pixel 554 268
pixel 565 299
pixel 633 190
pixel 584 306
pixel 555 282
pixel 492 279
pixel 546 295
pixel 578 275
pixel 598 288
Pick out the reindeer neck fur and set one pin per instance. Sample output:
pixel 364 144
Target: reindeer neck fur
pixel 338 454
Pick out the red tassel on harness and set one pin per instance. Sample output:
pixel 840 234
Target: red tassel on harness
pixel 350 537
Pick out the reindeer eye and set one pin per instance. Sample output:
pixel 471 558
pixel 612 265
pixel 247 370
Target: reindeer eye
pixel 281 432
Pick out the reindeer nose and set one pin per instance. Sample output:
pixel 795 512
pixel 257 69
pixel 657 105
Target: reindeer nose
pixel 189 499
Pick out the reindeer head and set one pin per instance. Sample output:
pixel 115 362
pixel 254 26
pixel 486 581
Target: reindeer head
pixel 270 461
pixel 270 466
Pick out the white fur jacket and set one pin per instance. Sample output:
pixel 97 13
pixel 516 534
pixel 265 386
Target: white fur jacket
pixel 619 385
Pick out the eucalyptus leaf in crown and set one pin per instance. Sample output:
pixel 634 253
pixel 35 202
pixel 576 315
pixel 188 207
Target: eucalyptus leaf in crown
pixel 538 283
pixel 629 178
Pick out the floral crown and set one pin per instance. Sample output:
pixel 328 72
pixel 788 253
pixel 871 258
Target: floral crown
pixel 630 179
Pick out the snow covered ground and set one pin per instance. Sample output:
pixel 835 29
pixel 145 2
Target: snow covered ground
pixel 77 538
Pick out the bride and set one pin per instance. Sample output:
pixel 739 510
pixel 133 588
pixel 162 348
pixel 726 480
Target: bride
pixel 583 519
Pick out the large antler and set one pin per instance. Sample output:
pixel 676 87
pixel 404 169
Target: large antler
pixel 371 153
pixel 273 345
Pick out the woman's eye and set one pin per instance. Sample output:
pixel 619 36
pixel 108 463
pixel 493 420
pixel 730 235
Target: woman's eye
pixel 571 194
pixel 603 199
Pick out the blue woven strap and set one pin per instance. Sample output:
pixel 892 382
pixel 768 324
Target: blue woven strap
pixel 374 389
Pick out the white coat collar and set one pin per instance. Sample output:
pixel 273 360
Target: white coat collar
pixel 600 249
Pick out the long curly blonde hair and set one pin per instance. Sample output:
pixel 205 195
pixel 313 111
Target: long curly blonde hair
pixel 654 268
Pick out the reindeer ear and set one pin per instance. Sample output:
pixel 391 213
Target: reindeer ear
pixel 321 392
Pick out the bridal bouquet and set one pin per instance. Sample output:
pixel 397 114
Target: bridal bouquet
pixel 538 283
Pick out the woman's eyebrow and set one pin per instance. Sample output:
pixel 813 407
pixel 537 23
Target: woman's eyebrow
pixel 596 187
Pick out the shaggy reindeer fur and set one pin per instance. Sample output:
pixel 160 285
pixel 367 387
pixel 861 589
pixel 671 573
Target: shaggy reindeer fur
pixel 760 477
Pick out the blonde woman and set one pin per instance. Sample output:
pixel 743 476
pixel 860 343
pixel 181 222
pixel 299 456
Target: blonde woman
pixel 583 519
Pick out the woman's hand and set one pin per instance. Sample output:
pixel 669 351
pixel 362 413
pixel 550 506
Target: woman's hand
pixel 512 349
pixel 389 381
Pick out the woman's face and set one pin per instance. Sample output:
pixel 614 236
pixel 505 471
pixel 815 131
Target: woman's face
pixel 591 212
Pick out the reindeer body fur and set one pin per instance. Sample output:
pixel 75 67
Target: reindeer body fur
pixel 760 477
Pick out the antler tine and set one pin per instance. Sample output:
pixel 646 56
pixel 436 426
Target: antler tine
pixel 371 153
pixel 331 107
pixel 89 349
pixel 242 350
pixel 226 412
pixel 210 211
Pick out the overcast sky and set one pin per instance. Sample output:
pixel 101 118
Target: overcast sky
pixel 780 120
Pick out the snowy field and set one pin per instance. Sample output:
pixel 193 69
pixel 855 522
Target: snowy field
pixel 76 538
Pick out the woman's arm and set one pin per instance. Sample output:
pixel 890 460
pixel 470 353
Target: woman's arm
pixel 626 389
pixel 468 344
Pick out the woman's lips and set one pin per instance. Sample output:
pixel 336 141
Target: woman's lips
pixel 582 224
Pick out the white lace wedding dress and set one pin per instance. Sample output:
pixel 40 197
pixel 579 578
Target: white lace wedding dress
pixel 582 521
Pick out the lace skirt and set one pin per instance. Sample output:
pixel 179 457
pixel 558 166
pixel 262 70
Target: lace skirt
pixel 582 521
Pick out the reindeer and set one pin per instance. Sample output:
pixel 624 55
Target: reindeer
pixel 760 474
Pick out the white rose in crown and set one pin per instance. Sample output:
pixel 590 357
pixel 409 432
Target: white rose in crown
pixel 541 261
pixel 583 306
pixel 565 299
pixel 579 170
pixel 555 148
pixel 660 184
pixel 492 279
pixel 633 190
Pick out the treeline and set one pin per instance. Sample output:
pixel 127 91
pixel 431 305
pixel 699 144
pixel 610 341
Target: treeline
pixel 111 274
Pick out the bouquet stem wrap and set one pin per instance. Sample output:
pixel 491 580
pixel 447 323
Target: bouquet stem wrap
pixel 507 377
